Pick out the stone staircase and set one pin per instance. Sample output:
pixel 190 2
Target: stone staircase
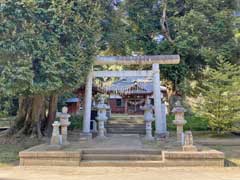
pixel 126 125
pixel 124 157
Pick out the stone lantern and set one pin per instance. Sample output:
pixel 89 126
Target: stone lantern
pixel 64 121
pixel 101 117
pixel 179 121
pixel 148 118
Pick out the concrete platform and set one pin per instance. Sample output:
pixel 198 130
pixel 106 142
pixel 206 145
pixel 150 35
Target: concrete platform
pixel 119 151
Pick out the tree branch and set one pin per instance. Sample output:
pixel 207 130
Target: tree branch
pixel 164 23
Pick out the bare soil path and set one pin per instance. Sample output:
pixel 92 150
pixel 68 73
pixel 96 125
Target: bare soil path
pixel 76 173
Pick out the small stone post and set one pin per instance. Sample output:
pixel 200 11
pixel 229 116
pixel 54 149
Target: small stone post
pixel 64 121
pixel 179 121
pixel 148 118
pixel 188 142
pixel 101 118
pixel 55 139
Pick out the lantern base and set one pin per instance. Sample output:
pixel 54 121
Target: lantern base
pixel 85 136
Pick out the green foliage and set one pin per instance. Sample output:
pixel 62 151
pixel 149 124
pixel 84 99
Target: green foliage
pixel 8 106
pixel 219 100
pixel 194 123
pixel 202 31
pixel 115 29
pixel 48 46
pixel 76 122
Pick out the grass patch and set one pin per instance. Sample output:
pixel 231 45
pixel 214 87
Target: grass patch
pixel 232 154
pixel 6 122
pixel 9 154
pixel 10 147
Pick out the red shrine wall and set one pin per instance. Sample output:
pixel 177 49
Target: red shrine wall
pixel 73 108
pixel 114 106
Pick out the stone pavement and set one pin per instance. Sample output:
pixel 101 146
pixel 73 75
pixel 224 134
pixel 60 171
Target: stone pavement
pixel 116 141
pixel 100 173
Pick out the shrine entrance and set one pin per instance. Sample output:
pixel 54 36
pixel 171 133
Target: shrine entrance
pixel 154 73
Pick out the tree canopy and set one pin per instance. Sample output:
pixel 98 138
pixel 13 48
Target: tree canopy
pixel 47 46
pixel 200 31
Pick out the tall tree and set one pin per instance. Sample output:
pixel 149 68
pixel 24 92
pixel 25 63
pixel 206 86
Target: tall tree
pixel 46 47
pixel 201 31
pixel 220 97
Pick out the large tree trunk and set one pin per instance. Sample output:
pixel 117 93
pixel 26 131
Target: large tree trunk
pixel 51 113
pixel 30 116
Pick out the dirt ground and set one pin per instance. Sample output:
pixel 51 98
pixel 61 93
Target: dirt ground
pixel 9 171
pixel 230 145
pixel 100 173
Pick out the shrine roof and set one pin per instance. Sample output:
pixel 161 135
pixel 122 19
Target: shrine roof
pixel 72 100
pixel 133 85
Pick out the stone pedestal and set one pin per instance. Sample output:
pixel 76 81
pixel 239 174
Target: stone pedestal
pixel 148 118
pixel 64 135
pixel 189 148
pixel 85 136
pixel 148 135
pixel 101 129
pixel 179 121
pixel 64 121
pixel 55 139
pixel 188 142
pixel 179 124
pixel 101 118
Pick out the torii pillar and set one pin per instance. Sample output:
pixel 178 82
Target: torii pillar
pixel 160 125
pixel 86 134
pixel 155 60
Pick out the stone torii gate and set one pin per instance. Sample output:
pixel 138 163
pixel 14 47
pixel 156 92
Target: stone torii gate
pixel 155 60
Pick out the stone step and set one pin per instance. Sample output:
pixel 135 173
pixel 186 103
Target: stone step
pixel 122 151
pixel 125 131
pixel 118 130
pixel 125 126
pixel 121 157
pixel 126 123
pixel 126 119
pixel 86 163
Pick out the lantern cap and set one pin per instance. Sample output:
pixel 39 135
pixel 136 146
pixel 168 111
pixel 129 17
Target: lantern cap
pixel 178 108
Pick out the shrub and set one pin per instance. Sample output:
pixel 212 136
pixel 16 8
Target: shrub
pixel 194 123
pixel 76 122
